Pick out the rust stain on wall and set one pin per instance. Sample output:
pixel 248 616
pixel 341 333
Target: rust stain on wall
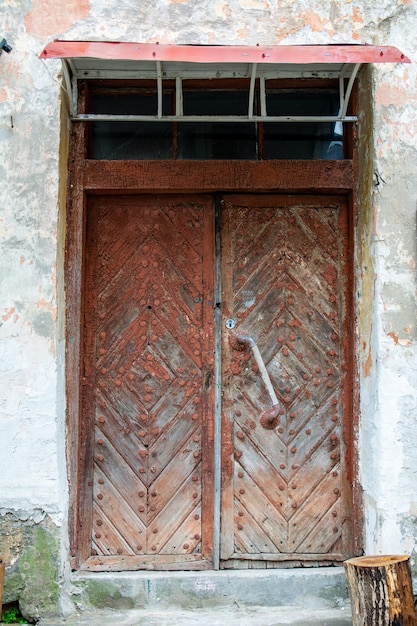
pixel 397 341
pixel 357 17
pixel 243 32
pixel 223 10
pixel 396 93
pixel 288 26
pixel 394 337
pixel 51 16
pixel 8 313
pixel 367 365
pixel 317 22
pixel 357 21
pixel 48 306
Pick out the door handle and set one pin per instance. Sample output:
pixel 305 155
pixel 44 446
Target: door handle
pixel 269 417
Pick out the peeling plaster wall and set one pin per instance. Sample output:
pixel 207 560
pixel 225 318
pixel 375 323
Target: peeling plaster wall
pixel 29 139
pixel 394 202
pixel 386 274
pixel 32 196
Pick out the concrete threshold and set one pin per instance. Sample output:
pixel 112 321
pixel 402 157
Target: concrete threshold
pixel 249 616
pixel 298 597
pixel 312 588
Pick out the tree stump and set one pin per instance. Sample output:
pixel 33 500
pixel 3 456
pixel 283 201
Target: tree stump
pixel 380 591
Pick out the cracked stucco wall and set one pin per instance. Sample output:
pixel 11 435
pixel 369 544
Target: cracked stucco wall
pixel 386 270
pixel 33 133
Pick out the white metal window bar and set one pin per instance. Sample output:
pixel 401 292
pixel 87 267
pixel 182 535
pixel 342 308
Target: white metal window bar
pixel 344 96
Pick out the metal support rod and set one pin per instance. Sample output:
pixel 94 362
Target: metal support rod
pixel 252 90
pixel 72 74
pixel 74 83
pixel 263 96
pixel 96 117
pixel 179 101
pixel 342 88
pixel 68 86
pixel 159 86
pixel 349 90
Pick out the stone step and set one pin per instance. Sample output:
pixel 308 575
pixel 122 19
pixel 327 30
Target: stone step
pixel 249 616
pixel 312 588
pixel 294 597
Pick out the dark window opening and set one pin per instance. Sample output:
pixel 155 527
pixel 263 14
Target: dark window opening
pixel 217 140
pixel 159 139
pixel 131 140
pixel 303 140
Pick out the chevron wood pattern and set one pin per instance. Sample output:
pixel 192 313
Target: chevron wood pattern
pixel 285 282
pixel 148 395
pixel 149 336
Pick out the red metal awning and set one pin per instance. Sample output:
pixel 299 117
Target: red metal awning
pixel 309 54
pixel 119 60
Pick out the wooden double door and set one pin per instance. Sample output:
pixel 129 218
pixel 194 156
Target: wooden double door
pixel 216 388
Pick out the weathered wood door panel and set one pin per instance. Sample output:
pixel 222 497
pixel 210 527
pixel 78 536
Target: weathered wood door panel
pixel 148 360
pixel 285 494
pixel 149 419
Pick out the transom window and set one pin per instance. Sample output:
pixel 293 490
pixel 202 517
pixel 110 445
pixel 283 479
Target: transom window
pixel 219 126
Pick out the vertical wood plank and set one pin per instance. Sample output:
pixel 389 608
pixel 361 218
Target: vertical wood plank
pixel 208 425
pixel 80 489
pixel 227 463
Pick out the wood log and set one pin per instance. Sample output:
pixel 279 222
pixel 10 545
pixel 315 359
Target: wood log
pixel 380 591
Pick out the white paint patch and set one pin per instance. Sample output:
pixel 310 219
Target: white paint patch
pixel 205 584
pixel 249 298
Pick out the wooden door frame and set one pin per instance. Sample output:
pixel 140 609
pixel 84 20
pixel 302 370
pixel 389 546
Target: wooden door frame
pixel 87 177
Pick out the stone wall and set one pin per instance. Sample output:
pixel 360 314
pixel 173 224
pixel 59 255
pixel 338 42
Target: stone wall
pixel 33 140
pixel 30 546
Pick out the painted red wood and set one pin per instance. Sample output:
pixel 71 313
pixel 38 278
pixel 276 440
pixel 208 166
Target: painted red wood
pixel 285 284
pixel 112 50
pixel 208 176
pixel 148 356
pixel 148 371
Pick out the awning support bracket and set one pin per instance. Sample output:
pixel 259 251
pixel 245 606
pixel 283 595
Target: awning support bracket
pixel 344 96
pixel 70 85
pixel 252 90
pixel 159 87
pixel 344 100
pixel 66 72
pixel 179 116
pixel 260 63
